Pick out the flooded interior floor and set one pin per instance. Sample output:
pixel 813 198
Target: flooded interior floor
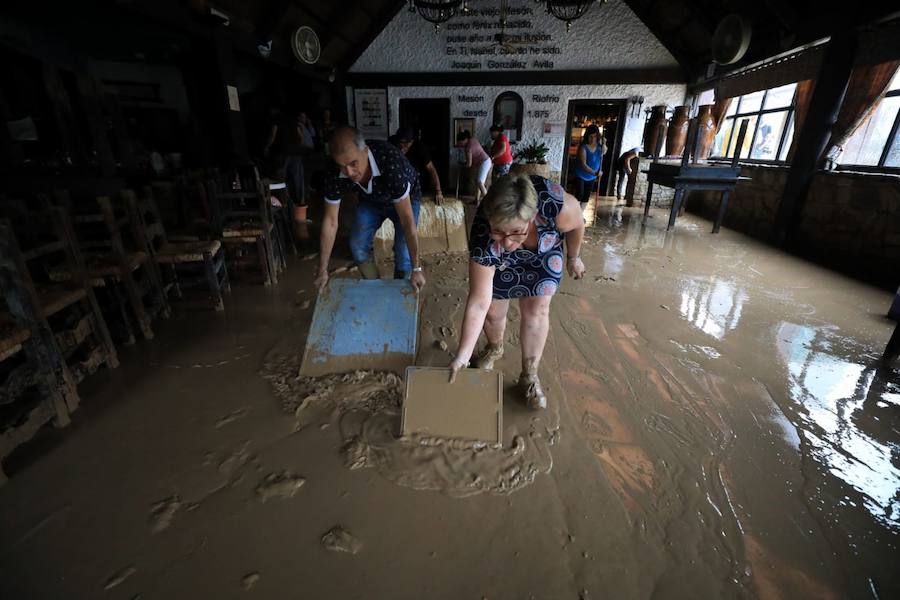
pixel 718 427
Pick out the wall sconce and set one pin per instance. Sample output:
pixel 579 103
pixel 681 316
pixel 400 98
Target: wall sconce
pixel 636 103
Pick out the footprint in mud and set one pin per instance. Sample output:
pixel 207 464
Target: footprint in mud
pixel 237 459
pixel 162 513
pixel 279 485
pixel 249 580
pixel 340 540
pixel 231 417
pixel 119 577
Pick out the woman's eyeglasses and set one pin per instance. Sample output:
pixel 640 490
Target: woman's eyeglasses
pixel 515 236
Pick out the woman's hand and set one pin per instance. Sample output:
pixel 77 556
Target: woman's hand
pixel 575 267
pixel 455 368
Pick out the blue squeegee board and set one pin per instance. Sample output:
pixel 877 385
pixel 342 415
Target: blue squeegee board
pixel 362 318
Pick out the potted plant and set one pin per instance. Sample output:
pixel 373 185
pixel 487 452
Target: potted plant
pixel 531 159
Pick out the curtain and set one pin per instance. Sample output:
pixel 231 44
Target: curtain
pixel 801 107
pixel 867 86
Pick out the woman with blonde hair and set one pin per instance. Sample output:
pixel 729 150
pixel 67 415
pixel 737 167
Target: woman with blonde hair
pixel 516 250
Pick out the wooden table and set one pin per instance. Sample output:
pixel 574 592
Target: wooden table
pixel 687 178
pixel 691 175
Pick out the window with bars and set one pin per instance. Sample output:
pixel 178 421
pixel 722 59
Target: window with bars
pixel 771 125
pixel 876 143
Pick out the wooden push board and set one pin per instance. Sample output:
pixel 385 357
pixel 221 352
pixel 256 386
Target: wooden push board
pixel 469 408
pixel 362 324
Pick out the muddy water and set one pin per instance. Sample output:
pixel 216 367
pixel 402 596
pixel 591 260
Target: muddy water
pixel 716 428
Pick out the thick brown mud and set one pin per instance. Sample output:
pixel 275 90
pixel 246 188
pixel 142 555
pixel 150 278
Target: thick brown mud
pixel 718 426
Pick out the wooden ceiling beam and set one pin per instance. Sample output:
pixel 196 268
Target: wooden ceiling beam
pixel 377 25
pixel 670 42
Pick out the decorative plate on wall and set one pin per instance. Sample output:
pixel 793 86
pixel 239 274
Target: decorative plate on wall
pixel 305 44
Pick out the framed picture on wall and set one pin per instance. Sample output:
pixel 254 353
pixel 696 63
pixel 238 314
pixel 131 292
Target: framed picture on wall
pixel 508 113
pixel 463 124
pixel 371 112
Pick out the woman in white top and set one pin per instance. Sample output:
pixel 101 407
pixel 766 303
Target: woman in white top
pixel 478 158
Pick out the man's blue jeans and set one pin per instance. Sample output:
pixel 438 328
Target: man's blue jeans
pixel 369 217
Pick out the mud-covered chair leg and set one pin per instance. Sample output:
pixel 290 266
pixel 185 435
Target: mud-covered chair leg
pixel 213 281
pixel 264 266
pixel 137 305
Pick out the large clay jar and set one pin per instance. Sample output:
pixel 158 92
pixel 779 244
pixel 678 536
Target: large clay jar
pixel 655 129
pixel 676 135
pixel 706 131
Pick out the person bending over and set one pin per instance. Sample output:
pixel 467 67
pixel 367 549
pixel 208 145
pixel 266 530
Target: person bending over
pixel 417 155
pixel 388 188
pixel 517 252
pixel 475 157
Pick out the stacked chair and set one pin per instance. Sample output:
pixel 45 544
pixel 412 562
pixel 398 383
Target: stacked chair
pixel 117 261
pixel 241 208
pixel 189 263
pixel 52 334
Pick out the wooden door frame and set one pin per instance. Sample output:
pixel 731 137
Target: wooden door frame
pixel 615 148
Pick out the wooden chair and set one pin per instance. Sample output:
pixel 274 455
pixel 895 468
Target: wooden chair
pixel 242 216
pixel 51 335
pixel 117 259
pixel 179 261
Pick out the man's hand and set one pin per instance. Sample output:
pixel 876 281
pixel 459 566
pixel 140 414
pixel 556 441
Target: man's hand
pixel 321 279
pixel 455 368
pixel 576 267
pixel 439 198
pixel 417 279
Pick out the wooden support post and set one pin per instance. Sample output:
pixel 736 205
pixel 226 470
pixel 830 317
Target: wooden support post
pixel 11 151
pixel 63 114
pixel 831 85
pixel 234 120
pixel 124 147
pixel 90 98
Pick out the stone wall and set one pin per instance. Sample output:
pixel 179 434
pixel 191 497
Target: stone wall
pixel 752 206
pixel 850 219
pixel 662 196
pixel 854 215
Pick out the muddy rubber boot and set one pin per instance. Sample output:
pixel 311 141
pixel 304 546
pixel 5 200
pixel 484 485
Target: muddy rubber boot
pixel 488 356
pixel 368 269
pixel 535 399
